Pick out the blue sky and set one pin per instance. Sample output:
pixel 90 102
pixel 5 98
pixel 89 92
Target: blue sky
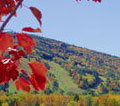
pixel 86 24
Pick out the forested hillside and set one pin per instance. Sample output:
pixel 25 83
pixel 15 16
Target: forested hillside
pixel 91 71
pixel 76 70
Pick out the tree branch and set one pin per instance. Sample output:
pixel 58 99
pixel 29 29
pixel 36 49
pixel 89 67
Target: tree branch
pixel 10 16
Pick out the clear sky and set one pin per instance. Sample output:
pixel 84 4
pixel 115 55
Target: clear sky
pixel 86 24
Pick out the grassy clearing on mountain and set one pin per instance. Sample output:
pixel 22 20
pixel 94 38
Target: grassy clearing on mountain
pixel 65 81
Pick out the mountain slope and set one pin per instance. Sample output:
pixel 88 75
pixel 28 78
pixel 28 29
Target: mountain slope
pixel 75 70
pixel 91 71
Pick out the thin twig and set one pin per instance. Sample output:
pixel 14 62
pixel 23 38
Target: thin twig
pixel 10 16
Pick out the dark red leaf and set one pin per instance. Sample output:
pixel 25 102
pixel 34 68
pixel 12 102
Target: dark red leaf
pixel 8 70
pixel 92 0
pixel 21 53
pixel 37 13
pixel 97 0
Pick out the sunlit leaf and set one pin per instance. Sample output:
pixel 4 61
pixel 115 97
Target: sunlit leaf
pixel 29 29
pixel 25 41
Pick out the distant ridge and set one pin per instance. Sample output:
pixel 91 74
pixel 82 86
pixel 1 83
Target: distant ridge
pixel 99 52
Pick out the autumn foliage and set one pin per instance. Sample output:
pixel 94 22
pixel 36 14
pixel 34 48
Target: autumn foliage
pixel 59 100
pixel 14 48
pixel 10 64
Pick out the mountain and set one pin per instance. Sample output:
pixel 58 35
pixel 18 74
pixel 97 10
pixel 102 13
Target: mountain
pixel 76 70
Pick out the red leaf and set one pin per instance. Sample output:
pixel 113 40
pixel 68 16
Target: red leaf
pixel 17 0
pixel 29 29
pixel 25 41
pixel 92 0
pixel 38 68
pixel 38 82
pixel 21 53
pixel 8 70
pixel 97 0
pixel 14 74
pixel 37 13
pixel 38 78
pixel 34 83
pixel 17 54
pixel 11 74
pixel 22 84
pixel 6 7
pixel 0 18
pixel 6 41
